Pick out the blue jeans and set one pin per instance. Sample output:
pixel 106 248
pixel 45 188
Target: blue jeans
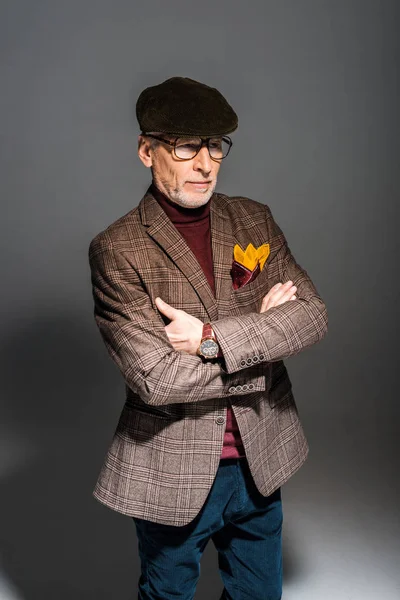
pixel 245 528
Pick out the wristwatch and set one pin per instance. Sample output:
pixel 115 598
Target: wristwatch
pixel 209 347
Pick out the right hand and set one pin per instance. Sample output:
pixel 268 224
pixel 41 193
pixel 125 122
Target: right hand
pixel 278 294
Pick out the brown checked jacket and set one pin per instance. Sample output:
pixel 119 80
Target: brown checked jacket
pixel 166 448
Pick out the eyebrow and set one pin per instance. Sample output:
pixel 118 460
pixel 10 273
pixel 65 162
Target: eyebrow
pixel 197 137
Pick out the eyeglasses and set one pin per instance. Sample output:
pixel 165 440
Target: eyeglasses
pixel 186 148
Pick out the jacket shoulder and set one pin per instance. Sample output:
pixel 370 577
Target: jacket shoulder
pixel 240 206
pixel 118 233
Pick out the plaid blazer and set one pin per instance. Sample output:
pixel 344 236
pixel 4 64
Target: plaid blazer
pixel 166 448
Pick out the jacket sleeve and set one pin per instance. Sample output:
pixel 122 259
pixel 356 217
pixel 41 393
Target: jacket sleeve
pixel 283 330
pixel 134 335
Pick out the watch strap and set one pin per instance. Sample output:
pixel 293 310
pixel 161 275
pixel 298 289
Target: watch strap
pixel 208 332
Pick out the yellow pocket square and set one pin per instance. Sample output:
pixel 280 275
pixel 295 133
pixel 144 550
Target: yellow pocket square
pixel 247 264
pixel 251 257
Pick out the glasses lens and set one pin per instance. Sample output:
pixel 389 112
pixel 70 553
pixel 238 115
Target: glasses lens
pixel 219 148
pixel 187 147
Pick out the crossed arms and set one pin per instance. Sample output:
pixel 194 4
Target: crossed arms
pixel 137 341
pixel 185 331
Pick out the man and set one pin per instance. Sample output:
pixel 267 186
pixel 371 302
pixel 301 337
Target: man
pixel 199 299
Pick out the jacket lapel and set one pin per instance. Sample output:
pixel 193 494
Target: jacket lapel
pixel 162 231
pixel 222 242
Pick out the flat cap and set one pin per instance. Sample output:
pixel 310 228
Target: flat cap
pixel 183 106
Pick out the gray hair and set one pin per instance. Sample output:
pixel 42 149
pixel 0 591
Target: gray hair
pixel 154 143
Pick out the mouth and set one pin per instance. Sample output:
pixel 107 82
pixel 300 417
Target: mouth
pixel 199 184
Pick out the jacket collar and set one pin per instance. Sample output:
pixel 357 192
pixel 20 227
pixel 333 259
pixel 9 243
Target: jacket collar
pixel 164 233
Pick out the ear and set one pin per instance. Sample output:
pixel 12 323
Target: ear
pixel 144 151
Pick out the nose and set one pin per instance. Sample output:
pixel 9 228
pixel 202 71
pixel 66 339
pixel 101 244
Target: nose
pixel 202 161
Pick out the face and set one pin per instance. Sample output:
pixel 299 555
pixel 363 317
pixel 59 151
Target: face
pixel 189 183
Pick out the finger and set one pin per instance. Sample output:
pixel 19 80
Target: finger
pixel 279 297
pixel 166 309
pixel 286 291
pixel 278 290
pixel 273 290
pixel 287 296
pixel 265 301
pixel 285 287
pixel 272 297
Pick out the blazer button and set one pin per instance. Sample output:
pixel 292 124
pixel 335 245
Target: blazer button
pixel 232 389
pixel 220 420
pixel 239 388
pixel 261 357
pixel 245 387
pixel 242 363
pixel 255 359
pixel 249 361
pixel 251 386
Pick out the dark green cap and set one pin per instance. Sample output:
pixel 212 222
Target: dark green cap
pixel 183 106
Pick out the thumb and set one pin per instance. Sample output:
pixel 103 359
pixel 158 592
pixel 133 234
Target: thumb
pixel 166 309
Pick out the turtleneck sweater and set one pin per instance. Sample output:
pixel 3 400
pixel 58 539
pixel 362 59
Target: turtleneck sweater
pixel 194 226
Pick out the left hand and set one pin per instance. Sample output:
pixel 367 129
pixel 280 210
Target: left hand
pixel 279 294
pixel 184 332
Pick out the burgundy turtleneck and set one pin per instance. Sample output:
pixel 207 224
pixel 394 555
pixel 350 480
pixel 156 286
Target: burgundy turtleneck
pixel 194 226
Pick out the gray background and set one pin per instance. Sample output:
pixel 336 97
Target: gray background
pixel 316 87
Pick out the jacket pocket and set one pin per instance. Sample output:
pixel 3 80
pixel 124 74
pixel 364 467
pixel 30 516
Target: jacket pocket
pixel 142 407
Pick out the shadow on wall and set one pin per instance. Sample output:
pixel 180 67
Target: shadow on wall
pixel 60 408
pixel 62 401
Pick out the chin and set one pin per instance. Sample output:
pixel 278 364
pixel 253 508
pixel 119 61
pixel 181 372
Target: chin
pixel 193 200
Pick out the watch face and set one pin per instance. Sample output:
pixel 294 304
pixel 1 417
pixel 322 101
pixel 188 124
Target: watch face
pixel 209 348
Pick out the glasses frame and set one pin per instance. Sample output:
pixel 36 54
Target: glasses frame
pixel 205 141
